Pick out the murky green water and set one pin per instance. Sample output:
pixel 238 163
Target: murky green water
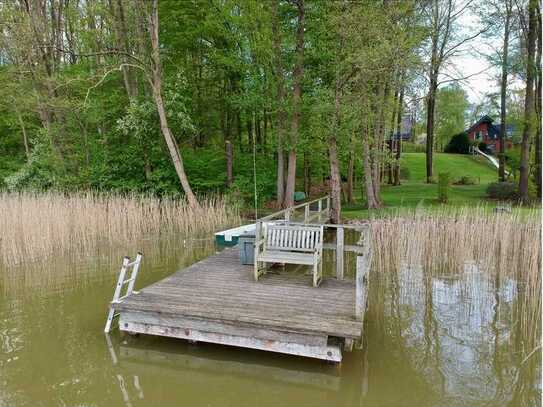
pixel 429 341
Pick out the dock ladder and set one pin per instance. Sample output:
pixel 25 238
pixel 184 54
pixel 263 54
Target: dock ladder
pixel 127 264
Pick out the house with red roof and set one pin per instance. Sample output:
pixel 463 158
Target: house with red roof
pixel 485 131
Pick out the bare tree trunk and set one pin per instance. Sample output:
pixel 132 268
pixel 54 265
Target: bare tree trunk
pixel 23 131
pixel 368 179
pixel 350 177
pixel 121 31
pixel 335 177
pixel 229 161
pixel 503 90
pixel 390 166
pixel 430 112
pixel 379 144
pixel 280 175
pixel 527 133
pixel 538 96
pixel 435 63
pixel 281 114
pixel 264 130
pixel 250 134
pixel 156 83
pixel 399 131
pixel 258 131
pixel 296 105
pixel 307 176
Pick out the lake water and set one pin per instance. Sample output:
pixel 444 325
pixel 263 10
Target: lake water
pixel 430 340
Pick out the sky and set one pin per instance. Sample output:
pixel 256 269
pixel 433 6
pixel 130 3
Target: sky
pixel 473 60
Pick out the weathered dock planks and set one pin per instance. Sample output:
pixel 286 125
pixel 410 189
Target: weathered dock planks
pixel 217 300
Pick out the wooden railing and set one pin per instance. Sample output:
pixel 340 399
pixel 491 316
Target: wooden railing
pixel 316 209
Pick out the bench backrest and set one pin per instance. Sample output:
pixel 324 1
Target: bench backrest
pixel 293 238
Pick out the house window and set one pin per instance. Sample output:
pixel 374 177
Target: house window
pixel 478 136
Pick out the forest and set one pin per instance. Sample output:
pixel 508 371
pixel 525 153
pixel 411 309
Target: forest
pixel 197 97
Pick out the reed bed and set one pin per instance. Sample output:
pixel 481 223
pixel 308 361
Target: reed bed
pixel 446 240
pixel 456 242
pixel 36 226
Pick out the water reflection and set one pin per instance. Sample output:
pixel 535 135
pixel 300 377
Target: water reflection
pixel 458 334
pixel 431 339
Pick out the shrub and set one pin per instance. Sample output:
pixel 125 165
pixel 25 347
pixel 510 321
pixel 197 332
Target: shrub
pixel 466 180
pixel 459 144
pixel 443 185
pixel 405 173
pixel 504 191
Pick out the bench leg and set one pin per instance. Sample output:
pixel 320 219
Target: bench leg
pixel 260 268
pixel 256 272
pixel 316 275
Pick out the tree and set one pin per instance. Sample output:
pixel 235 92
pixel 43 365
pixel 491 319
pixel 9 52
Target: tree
pixel 399 131
pixel 508 12
pixel 501 21
pixel 297 74
pixel 528 132
pixel 538 96
pixel 451 103
pixel 280 100
pixel 155 79
pixel 446 41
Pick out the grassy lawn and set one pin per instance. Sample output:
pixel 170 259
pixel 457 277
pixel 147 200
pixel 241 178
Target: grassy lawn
pixel 415 190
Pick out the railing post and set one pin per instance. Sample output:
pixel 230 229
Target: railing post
pixel 287 214
pixel 306 213
pixel 258 228
pixel 363 264
pixel 339 253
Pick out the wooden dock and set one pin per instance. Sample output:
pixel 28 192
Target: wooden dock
pixel 217 300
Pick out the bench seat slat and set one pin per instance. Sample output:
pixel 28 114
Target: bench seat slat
pixel 272 256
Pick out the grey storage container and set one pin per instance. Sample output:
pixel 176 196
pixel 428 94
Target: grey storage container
pixel 247 248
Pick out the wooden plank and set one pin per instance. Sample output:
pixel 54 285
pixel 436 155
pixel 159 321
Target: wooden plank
pixel 349 248
pixel 330 353
pixel 219 327
pixel 307 323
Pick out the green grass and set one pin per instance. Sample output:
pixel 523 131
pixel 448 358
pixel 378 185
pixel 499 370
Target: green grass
pixel 415 191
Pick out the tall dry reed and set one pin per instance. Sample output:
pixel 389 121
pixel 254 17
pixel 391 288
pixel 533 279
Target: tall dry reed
pixel 451 241
pixel 39 225
pixel 447 239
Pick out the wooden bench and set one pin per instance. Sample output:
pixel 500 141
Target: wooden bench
pixel 290 244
